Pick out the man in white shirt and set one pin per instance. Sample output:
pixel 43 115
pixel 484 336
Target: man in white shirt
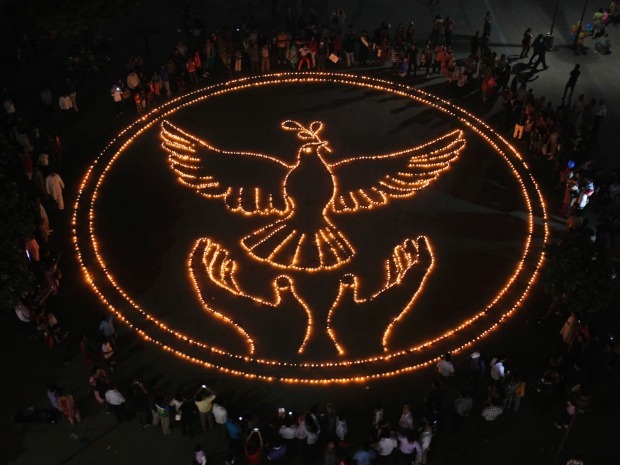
pixel 445 366
pixel 385 447
pixel 462 408
pixel 497 369
pixel 117 402
pixel 220 414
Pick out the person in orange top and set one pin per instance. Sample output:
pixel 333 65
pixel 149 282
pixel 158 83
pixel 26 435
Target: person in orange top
pixel 67 406
pixel 190 65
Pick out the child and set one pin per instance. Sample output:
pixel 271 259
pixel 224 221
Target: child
pixel 199 456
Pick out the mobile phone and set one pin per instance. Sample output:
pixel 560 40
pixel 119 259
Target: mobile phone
pixel 204 386
pixel 256 430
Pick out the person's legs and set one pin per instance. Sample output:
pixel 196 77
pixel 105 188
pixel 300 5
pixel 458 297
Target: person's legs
pixel 165 424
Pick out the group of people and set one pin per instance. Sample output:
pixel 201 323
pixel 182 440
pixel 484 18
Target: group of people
pixel 32 160
pixel 300 45
pixel 563 134
pixel 475 396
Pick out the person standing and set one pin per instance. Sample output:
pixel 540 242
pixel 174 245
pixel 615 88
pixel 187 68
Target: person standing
pixel 254 53
pixel 187 410
pixel 9 108
pixel 304 57
pixel 65 105
pixel 365 456
pixel 72 92
pixel 489 416
pixel 139 403
pixel 313 432
pixel 109 354
pixel 519 393
pixel 462 408
pixel 203 398
pixel 448 27
pixel 349 46
pixel 445 368
pixel 220 414
pixel 54 186
pixel 117 403
pixel 364 47
pixel 106 328
pixel 572 81
pixel 535 48
pixel 474 44
pixel 405 423
pixel 540 51
pixel 486 28
pixel 162 414
pixel 46 99
pixel 165 79
pixel 385 448
pixel 264 58
pixel 253 447
pixel 498 370
pixel 526 42
pixel 407 447
pixel 117 96
pixel 67 407
pixel 599 114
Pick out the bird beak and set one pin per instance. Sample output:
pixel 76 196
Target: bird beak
pixel 324 145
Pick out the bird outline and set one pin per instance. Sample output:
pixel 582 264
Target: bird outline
pixel 304 237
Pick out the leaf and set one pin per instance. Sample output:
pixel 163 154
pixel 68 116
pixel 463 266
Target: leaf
pixel 315 127
pixel 290 125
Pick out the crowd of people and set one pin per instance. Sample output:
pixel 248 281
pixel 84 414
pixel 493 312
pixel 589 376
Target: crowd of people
pixel 473 397
pixel 476 397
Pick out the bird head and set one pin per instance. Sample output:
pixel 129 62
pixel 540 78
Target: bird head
pixel 314 147
pixel 310 133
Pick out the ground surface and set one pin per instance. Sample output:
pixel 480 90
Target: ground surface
pixel 148 222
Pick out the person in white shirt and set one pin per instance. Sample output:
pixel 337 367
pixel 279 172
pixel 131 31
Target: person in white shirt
pixel 117 402
pixel 497 369
pixel 342 428
pixel 405 424
pixel 288 432
pixel 54 186
pixel 385 447
pixel 445 368
pixel 313 430
pixel 220 414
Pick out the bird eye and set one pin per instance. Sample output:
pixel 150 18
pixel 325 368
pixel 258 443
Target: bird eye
pixel 307 150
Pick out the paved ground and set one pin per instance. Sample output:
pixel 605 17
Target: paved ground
pixel 524 437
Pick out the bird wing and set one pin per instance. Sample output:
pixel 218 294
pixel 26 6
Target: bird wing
pixel 248 182
pixel 369 181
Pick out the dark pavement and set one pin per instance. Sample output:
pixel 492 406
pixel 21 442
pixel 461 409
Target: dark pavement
pixel 524 437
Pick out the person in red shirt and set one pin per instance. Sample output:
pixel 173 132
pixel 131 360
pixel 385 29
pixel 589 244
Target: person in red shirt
pixel 190 65
pixel 253 448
